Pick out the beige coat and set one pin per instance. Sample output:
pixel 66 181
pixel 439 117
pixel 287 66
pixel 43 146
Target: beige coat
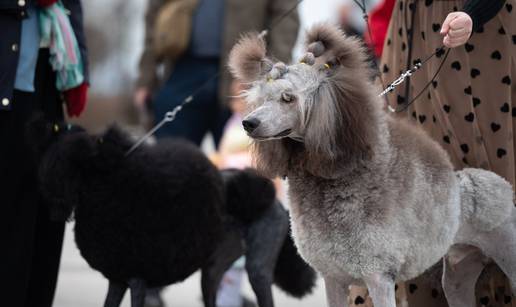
pixel 241 16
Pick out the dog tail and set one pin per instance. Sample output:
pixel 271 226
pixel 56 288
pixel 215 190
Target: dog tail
pixel 292 274
pixel 486 198
pixel 248 195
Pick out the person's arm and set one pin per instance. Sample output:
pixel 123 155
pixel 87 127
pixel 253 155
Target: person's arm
pixel 147 74
pixel 283 36
pixel 481 11
pixel 148 63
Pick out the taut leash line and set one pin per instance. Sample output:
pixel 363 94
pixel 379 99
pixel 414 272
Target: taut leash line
pixel 409 73
pixel 398 110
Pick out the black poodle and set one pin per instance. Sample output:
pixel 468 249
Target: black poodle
pixel 156 216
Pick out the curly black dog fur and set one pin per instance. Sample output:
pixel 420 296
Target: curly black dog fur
pixel 156 216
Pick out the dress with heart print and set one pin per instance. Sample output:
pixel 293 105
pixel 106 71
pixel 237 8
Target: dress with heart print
pixel 470 109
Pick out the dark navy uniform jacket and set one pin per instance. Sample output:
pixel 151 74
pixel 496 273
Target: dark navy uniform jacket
pixel 12 12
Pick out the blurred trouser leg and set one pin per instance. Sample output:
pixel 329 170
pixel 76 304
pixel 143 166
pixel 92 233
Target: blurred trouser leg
pixel 45 260
pixel 204 114
pixel 33 250
pixel 31 244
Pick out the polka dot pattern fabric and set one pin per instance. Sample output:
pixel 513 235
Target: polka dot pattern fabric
pixel 470 109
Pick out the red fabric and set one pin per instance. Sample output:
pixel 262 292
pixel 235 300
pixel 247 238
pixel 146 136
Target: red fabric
pixel 379 23
pixel 76 99
pixel 45 3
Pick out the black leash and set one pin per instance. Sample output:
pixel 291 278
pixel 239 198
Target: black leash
pixel 410 41
pixel 439 50
pixel 365 16
pixel 410 71
pixel 283 16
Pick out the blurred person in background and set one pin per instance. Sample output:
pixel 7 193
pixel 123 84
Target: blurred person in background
pixel 43 64
pixel 379 19
pixel 195 50
pixel 346 14
pixel 469 109
pixel 351 20
pixel 187 43
pixel 235 143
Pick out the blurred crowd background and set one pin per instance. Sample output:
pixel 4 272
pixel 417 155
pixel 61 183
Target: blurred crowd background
pixel 115 34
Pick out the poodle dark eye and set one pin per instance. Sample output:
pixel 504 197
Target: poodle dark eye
pixel 287 98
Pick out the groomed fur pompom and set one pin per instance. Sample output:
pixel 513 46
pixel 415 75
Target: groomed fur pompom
pixel 248 195
pixel 330 43
pixel 247 60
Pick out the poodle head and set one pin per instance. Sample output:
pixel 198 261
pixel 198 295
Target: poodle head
pixel 111 147
pixel 70 157
pixel 41 134
pixel 315 102
pixel 60 150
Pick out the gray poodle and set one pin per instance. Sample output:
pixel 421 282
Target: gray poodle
pixel 374 200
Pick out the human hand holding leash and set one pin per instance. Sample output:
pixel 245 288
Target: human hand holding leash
pixel 457 29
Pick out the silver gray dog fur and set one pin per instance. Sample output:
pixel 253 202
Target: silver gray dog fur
pixel 374 200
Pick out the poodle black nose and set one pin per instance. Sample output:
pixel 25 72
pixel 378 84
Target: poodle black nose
pixel 251 124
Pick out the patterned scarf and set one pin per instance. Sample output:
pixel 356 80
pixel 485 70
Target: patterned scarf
pixel 57 33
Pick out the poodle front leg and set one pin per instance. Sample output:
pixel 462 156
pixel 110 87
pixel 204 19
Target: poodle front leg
pixel 336 292
pixel 115 294
pixel 264 239
pixel 138 288
pixel 261 282
pixel 228 251
pixel 500 245
pixel 381 290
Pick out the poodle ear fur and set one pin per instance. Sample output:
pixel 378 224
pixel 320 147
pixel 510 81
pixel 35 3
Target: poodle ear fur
pixel 247 60
pixel 272 157
pixel 330 45
pixel 119 139
pixel 40 133
pixel 322 138
pixel 66 158
pixel 335 132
